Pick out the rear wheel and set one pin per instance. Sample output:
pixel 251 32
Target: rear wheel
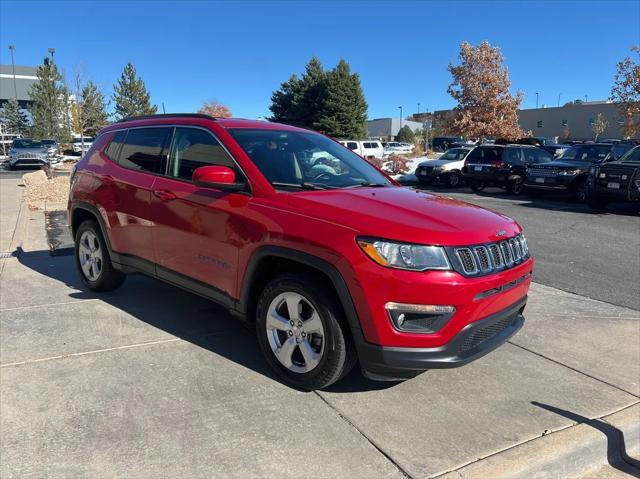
pixel 477 186
pixel 93 260
pixel 302 332
pixel 515 185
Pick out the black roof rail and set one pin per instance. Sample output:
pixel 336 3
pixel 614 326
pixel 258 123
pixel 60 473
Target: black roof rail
pixel 167 115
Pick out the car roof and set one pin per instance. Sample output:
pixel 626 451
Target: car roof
pixel 228 123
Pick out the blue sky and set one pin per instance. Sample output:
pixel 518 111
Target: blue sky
pixel 239 52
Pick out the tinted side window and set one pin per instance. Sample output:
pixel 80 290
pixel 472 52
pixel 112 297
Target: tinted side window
pixel 633 155
pixel 542 156
pixel 145 149
pixel 514 155
pixel 113 148
pixel 352 145
pixel 193 148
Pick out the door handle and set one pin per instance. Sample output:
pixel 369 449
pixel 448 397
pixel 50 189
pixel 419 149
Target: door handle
pixel 165 195
pixel 107 180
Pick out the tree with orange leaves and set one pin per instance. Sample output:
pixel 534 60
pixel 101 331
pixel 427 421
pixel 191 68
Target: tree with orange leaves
pixel 486 107
pixel 215 109
pixel 626 92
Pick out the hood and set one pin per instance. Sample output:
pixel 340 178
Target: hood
pixel 404 214
pixel 22 151
pixel 439 162
pixel 567 164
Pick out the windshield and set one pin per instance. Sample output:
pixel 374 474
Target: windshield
pixel 454 154
pixel 292 159
pixel 591 153
pixel 86 140
pixel 48 142
pixel 632 155
pixel 27 144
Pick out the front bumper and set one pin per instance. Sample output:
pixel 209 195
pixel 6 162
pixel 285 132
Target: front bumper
pixel 554 183
pixel 472 342
pixel 14 162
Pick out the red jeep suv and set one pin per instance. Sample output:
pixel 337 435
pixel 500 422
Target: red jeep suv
pixel 331 259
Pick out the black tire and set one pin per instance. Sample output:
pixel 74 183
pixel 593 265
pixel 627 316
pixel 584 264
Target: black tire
pixel 338 356
pixel 477 186
pixel 580 190
pixel 515 186
pixel 108 278
pixel 454 179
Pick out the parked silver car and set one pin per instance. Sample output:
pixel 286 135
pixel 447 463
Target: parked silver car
pixel 27 152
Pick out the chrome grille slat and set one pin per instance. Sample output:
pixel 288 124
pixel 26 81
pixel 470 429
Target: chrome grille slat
pixel 487 258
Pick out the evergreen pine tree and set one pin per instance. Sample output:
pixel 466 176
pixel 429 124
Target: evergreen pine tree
pixel 344 113
pixel 50 111
pixel 130 95
pixel 92 109
pixel 405 134
pixel 313 86
pixel 285 102
pixel 14 119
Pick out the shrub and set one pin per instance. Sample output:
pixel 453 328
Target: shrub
pixel 377 162
pixel 396 164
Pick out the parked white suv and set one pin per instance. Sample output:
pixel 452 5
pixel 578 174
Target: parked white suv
pixel 397 147
pixel 366 148
pixel 76 145
pixel 446 169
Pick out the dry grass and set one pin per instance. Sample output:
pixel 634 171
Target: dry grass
pixel 39 189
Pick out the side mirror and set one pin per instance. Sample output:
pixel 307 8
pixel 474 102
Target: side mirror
pixel 216 176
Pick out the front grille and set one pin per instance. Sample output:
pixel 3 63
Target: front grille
pixel 480 335
pixel 544 172
pixel 28 156
pixel 491 257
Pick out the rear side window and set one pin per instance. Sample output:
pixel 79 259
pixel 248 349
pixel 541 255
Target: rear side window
pixel 352 145
pixel 193 148
pixel 145 149
pixel 515 155
pixel 113 148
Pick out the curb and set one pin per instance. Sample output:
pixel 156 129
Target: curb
pixel 612 440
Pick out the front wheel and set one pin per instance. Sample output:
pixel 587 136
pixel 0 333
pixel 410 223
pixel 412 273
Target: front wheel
pixel 515 186
pixel 453 180
pixel 477 186
pixel 302 332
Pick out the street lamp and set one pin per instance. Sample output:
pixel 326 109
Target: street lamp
pixel 418 108
pixel 400 108
pixel 536 99
pixel 51 52
pixel 13 68
pixel 559 95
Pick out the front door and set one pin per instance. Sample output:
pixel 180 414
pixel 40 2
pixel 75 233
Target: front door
pixel 197 231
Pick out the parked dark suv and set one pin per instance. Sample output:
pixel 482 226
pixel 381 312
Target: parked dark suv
pixel 443 143
pixel 617 181
pixel 327 257
pixel 568 174
pixel 502 165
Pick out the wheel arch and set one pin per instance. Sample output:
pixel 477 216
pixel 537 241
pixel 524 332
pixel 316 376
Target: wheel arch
pixel 84 211
pixel 269 261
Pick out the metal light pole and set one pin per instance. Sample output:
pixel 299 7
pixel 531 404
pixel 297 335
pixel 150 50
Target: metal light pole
pixel 585 98
pixel 418 108
pixel 51 52
pixel 400 108
pixel 536 99
pixel 13 68
pixel 559 95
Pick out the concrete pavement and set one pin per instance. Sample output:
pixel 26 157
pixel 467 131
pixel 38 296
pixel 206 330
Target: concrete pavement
pixel 150 381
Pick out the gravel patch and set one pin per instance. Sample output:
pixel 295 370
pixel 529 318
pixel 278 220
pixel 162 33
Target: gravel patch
pixel 39 189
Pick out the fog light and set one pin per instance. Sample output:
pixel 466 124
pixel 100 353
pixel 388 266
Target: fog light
pixel 419 318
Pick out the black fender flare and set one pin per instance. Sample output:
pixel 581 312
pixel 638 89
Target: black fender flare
pixel 306 259
pixel 82 205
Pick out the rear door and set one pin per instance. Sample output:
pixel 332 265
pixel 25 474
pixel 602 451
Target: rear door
pixel 127 193
pixel 197 231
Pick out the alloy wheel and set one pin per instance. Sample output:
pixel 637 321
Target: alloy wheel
pixel 90 255
pixel 295 332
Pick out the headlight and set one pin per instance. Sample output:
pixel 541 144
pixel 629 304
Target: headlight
pixel 569 172
pixel 404 256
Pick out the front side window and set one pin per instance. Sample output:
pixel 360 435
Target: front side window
pixel 193 148
pixel 145 149
pixel 352 145
pixel 515 155
pixel 587 153
pixel 542 156
pixel 305 160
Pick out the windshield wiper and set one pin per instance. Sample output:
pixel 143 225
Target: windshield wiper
pixel 302 186
pixel 369 185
